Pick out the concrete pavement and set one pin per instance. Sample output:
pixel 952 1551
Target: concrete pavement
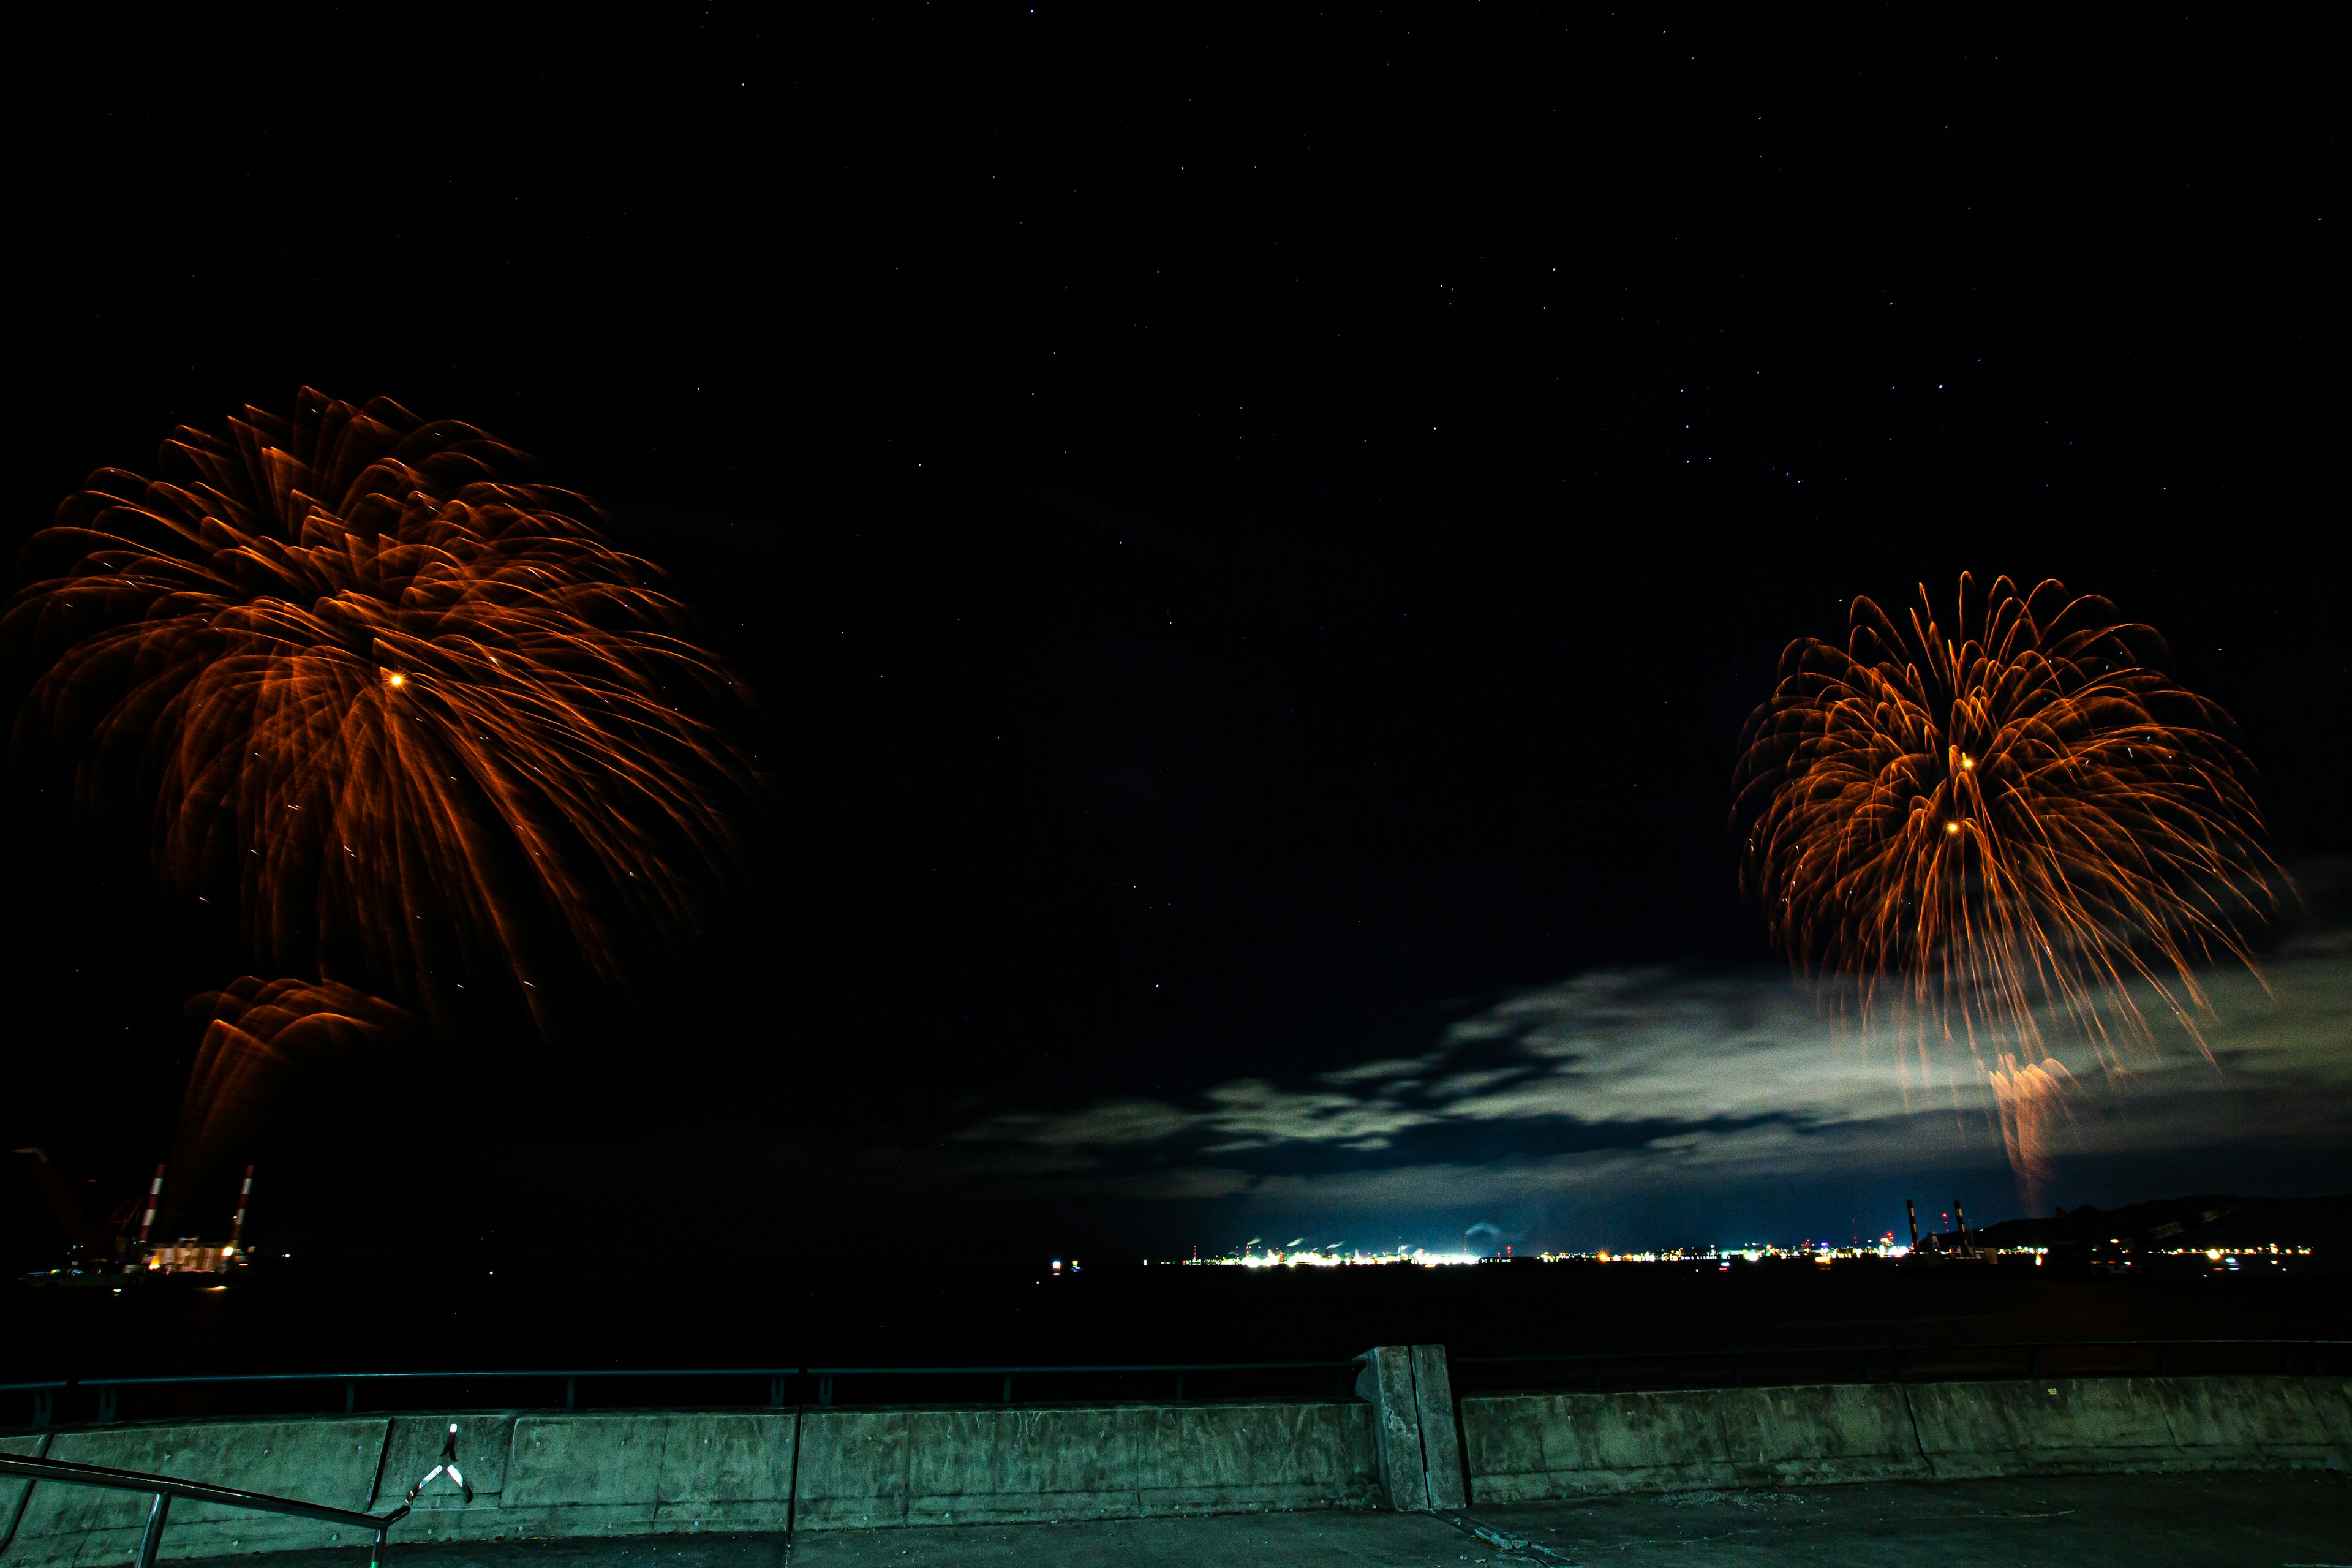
pixel 2243 1520
pixel 2070 1521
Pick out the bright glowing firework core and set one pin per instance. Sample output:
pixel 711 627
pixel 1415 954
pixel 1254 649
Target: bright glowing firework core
pixel 2097 830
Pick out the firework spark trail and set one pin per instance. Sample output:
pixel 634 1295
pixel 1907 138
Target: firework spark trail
pixel 2000 827
pixel 2029 1096
pixel 410 705
pixel 257 1035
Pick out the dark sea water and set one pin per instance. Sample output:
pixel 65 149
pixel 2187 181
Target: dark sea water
pixel 615 1314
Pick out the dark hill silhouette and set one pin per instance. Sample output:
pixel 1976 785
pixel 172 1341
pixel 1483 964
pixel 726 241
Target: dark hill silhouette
pixel 2201 1220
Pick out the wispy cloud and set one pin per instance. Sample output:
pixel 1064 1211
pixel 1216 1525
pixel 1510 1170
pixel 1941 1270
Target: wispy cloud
pixel 1667 1077
pixel 1114 1123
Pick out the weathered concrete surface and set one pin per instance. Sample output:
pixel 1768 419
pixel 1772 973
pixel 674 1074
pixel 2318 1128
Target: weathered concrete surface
pixel 328 1461
pixel 414 1447
pixel 651 1473
pixel 866 1468
pixel 2083 1426
pixel 1386 1385
pixel 2215 1419
pixel 1321 1538
pixel 1582 1445
pixel 1441 1448
pixel 13 1490
pixel 1418 1454
pixel 2204 1520
pixel 1818 1433
pixel 675 1474
pixel 2006 1428
pixel 2216 1519
pixel 1578 1445
pixel 557 1476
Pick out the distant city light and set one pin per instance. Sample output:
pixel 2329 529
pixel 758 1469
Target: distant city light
pixel 1887 1250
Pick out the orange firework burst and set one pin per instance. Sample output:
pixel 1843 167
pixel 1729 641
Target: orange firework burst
pixel 2002 827
pixel 411 706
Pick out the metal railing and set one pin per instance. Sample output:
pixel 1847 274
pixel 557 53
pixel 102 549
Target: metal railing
pixel 1898 1363
pixel 825 1374
pixel 1181 1378
pixel 163 1489
pixel 819 1385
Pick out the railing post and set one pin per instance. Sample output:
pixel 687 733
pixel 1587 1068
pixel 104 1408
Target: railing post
pixel 824 1389
pixel 375 1557
pixel 1180 1388
pixel 776 1390
pixel 44 1407
pixel 106 1407
pixel 151 1541
pixel 2161 1349
pixel 1008 1388
pixel 571 1394
pixel 351 1394
pixel 2033 1361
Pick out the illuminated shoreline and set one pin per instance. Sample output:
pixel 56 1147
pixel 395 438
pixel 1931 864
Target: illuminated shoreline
pixel 1887 1251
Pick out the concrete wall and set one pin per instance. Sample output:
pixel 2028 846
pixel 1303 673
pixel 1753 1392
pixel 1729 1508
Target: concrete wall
pixel 676 1471
pixel 1418 1459
pixel 15 1492
pixel 1572 1445
pixel 1522 1447
pixel 332 1461
pixel 662 1472
pixel 2062 1426
pixel 862 1469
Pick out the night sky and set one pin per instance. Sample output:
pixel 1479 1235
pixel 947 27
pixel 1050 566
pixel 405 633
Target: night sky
pixel 1254 541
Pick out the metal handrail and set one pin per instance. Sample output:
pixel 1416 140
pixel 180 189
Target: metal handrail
pixel 165 1488
pixel 683 1371
pixel 107 1388
pixel 400 1376
pixel 1140 1366
pixel 1876 1350
pixel 43 1392
pixel 825 1374
pixel 1869 1353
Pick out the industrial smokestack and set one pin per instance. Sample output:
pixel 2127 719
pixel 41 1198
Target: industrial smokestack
pixel 244 1197
pixel 1960 1218
pixel 1911 1217
pixel 154 1196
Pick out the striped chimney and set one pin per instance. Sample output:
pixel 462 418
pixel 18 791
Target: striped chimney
pixel 154 1196
pixel 244 1197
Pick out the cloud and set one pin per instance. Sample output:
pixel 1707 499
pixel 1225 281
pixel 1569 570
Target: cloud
pixel 1375 1072
pixel 1114 1123
pixel 1666 1078
pixel 1253 1114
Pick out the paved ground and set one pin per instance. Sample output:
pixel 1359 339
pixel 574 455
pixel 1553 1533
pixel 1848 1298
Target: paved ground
pixel 2083 1521
pixel 2244 1520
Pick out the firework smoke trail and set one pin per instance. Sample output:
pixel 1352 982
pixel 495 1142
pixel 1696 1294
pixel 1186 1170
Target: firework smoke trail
pixel 409 705
pixel 1999 827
